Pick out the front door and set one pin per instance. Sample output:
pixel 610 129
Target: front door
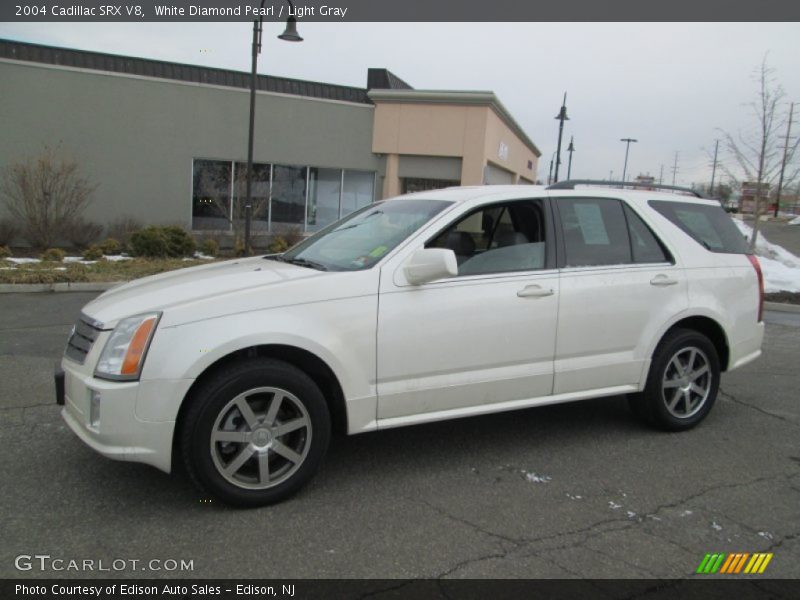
pixel 484 337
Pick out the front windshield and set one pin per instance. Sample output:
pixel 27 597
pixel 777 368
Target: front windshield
pixel 360 240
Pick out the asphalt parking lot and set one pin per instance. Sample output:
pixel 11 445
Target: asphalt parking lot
pixel 578 490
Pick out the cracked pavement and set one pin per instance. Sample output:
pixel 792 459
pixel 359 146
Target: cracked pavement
pixel 576 490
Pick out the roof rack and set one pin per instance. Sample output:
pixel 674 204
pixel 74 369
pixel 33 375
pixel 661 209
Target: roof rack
pixel 571 183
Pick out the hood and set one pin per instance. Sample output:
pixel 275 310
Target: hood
pixel 193 285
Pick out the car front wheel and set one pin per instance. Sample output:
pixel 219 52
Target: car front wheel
pixel 255 432
pixel 682 384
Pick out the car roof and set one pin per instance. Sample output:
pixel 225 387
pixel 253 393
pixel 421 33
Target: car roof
pixel 465 193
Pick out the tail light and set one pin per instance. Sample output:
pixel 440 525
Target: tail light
pixel 760 275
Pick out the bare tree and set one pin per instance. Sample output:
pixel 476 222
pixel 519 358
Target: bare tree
pixel 758 154
pixel 46 195
pixel 216 192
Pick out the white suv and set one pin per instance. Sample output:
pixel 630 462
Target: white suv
pixel 430 306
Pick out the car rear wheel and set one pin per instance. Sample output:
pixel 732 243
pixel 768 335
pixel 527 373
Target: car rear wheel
pixel 682 384
pixel 255 432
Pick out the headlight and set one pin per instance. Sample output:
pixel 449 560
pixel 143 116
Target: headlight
pixel 124 352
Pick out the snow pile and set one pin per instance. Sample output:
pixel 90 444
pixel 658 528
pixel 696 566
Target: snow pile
pixel 781 268
pixel 795 221
pixel 22 261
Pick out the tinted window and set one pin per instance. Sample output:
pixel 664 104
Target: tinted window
pixel 645 245
pixel 708 225
pixel 497 238
pixel 595 232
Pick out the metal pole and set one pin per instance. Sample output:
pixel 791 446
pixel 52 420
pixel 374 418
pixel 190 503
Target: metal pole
pixel 661 176
pixel 627 148
pixel 714 169
pixel 783 163
pixel 550 175
pixel 675 169
pixel 570 149
pixel 562 116
pixel 248 206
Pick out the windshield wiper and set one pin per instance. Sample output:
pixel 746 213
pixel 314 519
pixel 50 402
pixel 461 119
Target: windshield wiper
pixel 304 262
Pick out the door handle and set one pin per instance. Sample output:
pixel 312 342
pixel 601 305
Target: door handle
pixel 535 291
pixel 663 281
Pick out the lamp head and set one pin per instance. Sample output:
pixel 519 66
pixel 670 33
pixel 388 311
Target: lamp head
pixel 290 33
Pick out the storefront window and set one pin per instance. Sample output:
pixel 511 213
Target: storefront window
pixel 211 194
pixel 260 194
pixel 324 188
pixel 359 190
pixel 279 195
pixel 288 196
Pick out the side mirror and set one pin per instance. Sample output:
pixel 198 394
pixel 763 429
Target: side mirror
pixel 430 264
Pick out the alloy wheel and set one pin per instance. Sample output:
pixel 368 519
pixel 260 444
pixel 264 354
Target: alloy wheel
pixel 687 382
pixel 260 438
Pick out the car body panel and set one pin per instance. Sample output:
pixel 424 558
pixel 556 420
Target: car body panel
pixel 406 354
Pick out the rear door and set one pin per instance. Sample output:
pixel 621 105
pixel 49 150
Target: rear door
pixel 619 285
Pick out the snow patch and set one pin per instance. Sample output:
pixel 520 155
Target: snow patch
pixel 613 505
pixel 765 534
pixel 118 257
pixel 534 478
pixel 795 221
pixel 23 261
pixel 716 526
pixel 780 267
pixel 686 513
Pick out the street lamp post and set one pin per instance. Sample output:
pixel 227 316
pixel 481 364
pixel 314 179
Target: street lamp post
pixel 627 147
pixel 289 35
pixel 570 149
pixel 560 117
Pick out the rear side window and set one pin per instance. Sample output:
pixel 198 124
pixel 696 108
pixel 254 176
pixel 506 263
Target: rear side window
pixel 595 232
pixel 645 246
pixel 709 226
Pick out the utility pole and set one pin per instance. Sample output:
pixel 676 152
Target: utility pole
pixel 560 117
pixel 627 147
pixel 661 176
pixel 714 169
pixel 783 163
pixel 550 175
pixel 675 169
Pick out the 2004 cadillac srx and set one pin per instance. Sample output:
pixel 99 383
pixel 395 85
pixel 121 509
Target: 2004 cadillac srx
pixel 431 306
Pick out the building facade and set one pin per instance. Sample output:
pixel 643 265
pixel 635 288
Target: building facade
pixel 166 143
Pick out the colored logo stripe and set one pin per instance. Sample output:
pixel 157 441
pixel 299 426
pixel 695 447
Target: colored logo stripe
pixel 734 563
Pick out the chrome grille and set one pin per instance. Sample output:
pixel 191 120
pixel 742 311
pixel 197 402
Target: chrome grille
pixel 81 339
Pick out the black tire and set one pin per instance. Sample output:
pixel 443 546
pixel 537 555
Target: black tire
pixel 215 408
pixel 670 400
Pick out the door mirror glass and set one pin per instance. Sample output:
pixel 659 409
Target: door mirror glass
pixel 429 264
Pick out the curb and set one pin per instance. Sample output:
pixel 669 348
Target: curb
pixel 77 286
pixel 782 307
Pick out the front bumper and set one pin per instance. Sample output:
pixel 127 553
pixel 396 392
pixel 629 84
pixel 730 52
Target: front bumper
pixel 103 415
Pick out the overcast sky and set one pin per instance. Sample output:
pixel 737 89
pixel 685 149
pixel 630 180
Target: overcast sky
pixel 669 85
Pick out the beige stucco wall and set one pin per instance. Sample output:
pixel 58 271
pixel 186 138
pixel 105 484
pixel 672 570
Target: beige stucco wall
pixel 472 133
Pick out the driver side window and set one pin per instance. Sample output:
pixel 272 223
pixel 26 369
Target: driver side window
pixel 497 238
